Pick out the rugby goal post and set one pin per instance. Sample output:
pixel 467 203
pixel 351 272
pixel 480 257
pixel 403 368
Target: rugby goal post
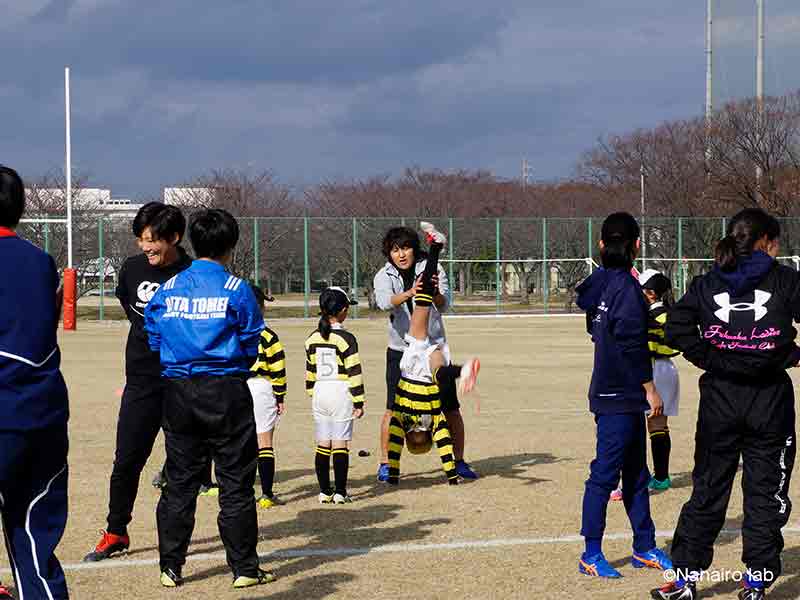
pixel 70 275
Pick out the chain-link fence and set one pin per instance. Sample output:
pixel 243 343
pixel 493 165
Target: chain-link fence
pixel 493 265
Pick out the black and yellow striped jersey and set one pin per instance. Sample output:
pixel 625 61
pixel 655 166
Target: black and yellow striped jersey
pixel 334 359
pixel 271 363
pixel 657 320
pixel 417 397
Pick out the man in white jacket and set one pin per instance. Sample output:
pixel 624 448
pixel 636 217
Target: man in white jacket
pixel 395 286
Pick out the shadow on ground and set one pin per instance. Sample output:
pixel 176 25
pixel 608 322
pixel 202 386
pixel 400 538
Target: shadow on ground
pixel 309 588
pixel 360 530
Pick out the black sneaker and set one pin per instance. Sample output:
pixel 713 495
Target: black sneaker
pixel 171 578
pixel 671 591
pixel 751 593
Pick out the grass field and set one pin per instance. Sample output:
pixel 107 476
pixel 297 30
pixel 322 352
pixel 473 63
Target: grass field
pixel 511 534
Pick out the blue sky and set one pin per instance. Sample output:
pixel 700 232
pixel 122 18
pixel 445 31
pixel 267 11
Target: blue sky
pixel 166 90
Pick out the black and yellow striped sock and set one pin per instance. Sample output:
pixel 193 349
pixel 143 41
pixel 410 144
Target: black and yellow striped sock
pixel 322 464
pixel 661 445
pixel 266 470
pixel 341 464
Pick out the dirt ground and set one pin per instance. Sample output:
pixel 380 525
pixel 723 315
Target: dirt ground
pixel 511 534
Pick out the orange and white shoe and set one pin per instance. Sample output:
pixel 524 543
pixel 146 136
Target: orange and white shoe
pixel 469 376
pixel 616 495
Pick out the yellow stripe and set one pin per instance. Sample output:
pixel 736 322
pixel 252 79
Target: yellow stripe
pixel 422 389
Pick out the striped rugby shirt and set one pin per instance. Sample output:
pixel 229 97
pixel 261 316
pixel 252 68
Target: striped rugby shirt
pixel 656 322
pixel 335 359
pixel 271 363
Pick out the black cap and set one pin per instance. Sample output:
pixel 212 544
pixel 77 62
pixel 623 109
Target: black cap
pixel 620 227
pixel 333 300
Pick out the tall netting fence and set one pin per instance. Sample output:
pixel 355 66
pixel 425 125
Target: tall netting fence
pixel 499 266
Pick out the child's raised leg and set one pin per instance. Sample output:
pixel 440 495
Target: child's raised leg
pixel 424 298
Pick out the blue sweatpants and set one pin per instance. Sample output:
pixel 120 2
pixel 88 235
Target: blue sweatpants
pixel 621 447
pixel 33 504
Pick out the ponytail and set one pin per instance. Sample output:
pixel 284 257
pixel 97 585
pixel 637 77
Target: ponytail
pixel 618 254
pixel 725 253
pixel 324 327
pixel 745 229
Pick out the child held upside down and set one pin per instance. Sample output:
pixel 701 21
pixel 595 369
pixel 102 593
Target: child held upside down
pixel 417 418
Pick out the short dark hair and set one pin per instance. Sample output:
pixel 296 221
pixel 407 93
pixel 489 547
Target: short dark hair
pixel 12 197
pixel 213 232
pixel 164 221
pixel 402 237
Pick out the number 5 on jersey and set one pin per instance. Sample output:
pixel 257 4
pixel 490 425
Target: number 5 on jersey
pixel 327 367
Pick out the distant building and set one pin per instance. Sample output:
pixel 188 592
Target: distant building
pixel 190 196
pixel 99 200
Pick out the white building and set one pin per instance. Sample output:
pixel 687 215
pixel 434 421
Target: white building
pixel 190 196
pixel 98 200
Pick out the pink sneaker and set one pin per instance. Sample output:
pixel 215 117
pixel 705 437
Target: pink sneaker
pixel 434 235
pixel 616 495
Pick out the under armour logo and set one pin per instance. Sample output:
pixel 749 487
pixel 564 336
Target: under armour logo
pixel 758 306
pixel 147 290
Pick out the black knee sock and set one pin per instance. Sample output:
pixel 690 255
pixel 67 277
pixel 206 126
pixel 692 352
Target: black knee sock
pixel 322 464
pixel 341 463
pixel 425 296
pixel 661 445
pixel 266 470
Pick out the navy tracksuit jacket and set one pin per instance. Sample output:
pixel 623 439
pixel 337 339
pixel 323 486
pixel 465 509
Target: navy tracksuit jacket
pixel 616 315
pixel 33 419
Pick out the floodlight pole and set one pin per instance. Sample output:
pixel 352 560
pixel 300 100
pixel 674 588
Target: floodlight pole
pixel 709 78
pixel 760 77
pixel 643 233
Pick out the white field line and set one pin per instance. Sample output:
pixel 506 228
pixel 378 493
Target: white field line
pixel 389 548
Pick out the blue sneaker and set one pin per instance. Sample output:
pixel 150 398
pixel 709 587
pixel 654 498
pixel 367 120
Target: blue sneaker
pixel 464 470
pixel 383 473
pixel 654 559
pixel 597 566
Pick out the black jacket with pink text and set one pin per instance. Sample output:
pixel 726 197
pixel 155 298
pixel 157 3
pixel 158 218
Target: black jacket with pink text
pixel 739 323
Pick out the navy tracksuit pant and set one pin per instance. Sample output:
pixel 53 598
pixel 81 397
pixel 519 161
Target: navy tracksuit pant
pixel 621 447
pixel 33 503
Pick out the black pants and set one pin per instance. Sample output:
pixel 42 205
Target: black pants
pixel 754 421
pixel 137 427
pixel 202 415
pixel 138 424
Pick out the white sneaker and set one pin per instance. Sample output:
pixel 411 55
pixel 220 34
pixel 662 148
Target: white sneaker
pixel 325 498
pixel 434 235
pixel 469 376
pixel 339 499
